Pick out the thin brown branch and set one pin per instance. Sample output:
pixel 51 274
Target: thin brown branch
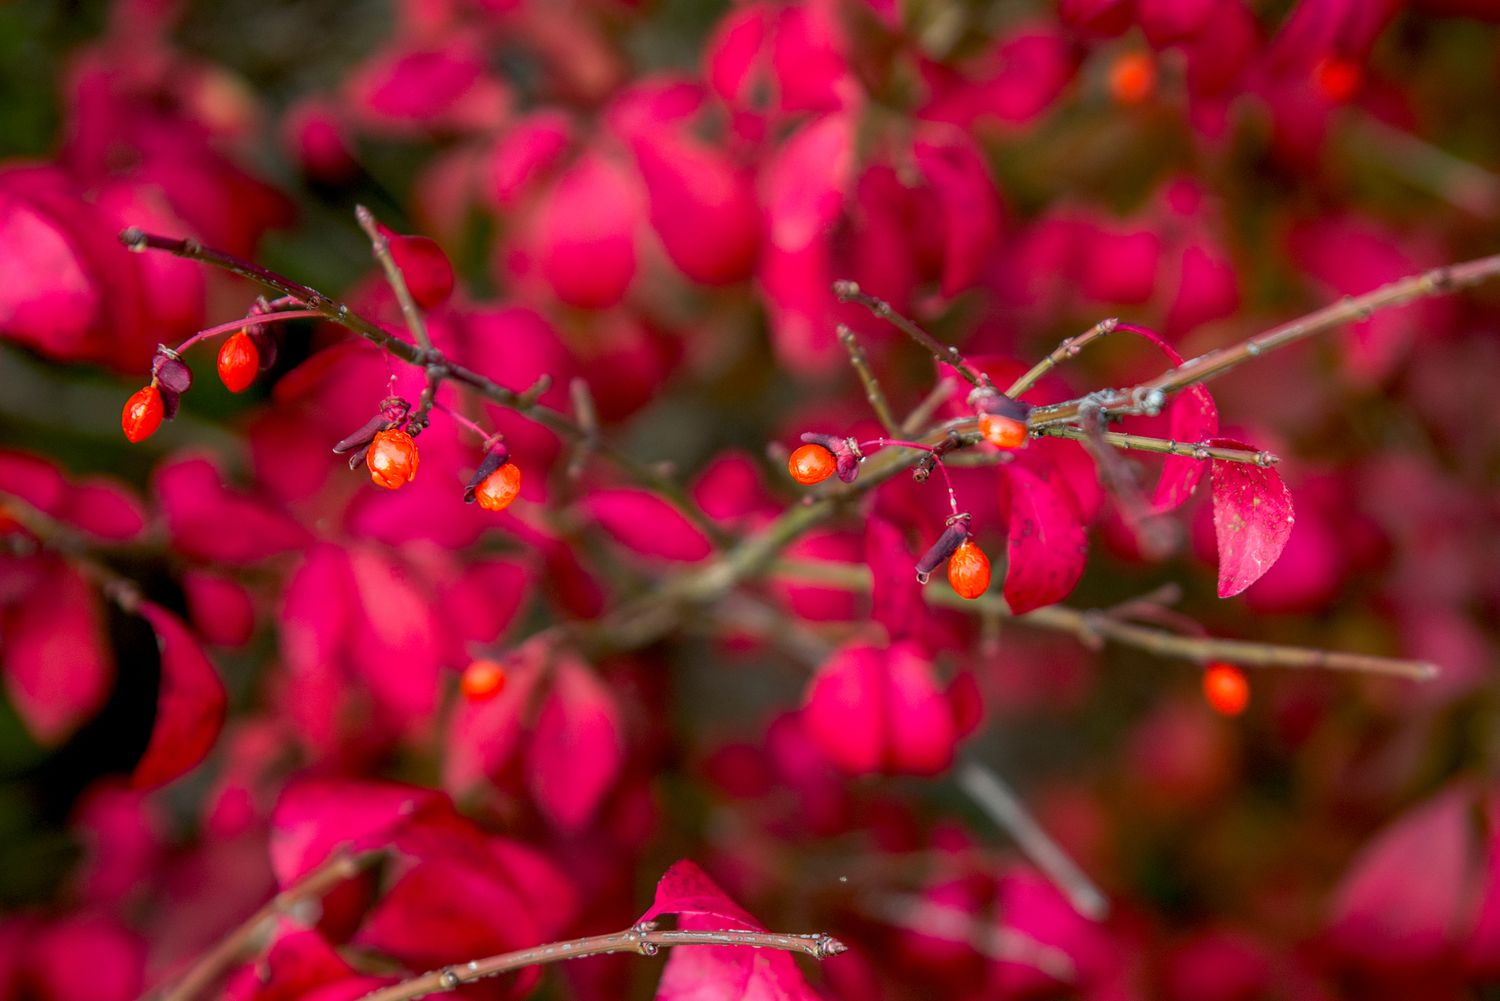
pixel 1069 348
pixel 645 940
pixel 1160 446
pixel 250 937
pixel 1090 625
pixel 1148 397
pixel 525 403
pixel 873 393
pixel 922 413
pixel 848 291
pixel 393 276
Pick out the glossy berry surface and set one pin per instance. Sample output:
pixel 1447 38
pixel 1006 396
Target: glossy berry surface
pixel 392 459
pixel 811 464
pixel 969 570
pixel 1226 688
pixel 499 488
pixel 143 414
pixel 1003 432
pixel 239 361
pixel 482 679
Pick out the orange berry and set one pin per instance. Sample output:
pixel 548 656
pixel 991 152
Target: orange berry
pixel 239 360
pixel 499 488
pixel 392 459
pixel 1337 79
pixel 1132 77
pixel 1226 689
pixel 811 464
pixel 969 570
pixel 482 679
pixel 143 414
pixel 1003 432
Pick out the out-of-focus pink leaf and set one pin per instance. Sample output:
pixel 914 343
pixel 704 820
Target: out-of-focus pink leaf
pixel 115 968
pixel 485 737
pixel 648 525
pixel 582 238
pixel 57 668
pixel 576 751
pixel 1384 915
pixel 956 171
pixel 395 642
pixel 702 207
pixel 1047 547
pixel 190 705
pixel 1252 519
pixel 208 521
pixel 220 609
pixel 871 710
pixel 315 817
pixel 712 973
pixel 105 510
pixel 895 596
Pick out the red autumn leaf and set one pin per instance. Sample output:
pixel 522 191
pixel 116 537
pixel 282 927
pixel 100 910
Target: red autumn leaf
pixel 1193 418
pixel 190 704
pixel 957 173
pixel 58 670
pixel 1047 547
pixel 210 522
pixel 1252 519
pixel 702 207
pixel 485 737
pixel 1385 916
pixel 582 238
pixel 315 817
pixel 394 647
pixel 425 268
pixel 871 710
pixel 895 595
pixel 713 973
pixel 576 750
pixel 646 524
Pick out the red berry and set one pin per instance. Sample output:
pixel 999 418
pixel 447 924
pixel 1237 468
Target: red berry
pixel 499 488
pixel 392 459
pixel 143 414
pixel 482 679
pixel 1132 78
pixel 811 464
pixel 1226 689
pixel 969 570
pixel 1003 432
pixel 1337 79
pixel 238 362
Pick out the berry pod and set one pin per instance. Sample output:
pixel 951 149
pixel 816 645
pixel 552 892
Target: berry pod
pixel 1002 420
pixel 172 377
pixel 498 456
pixel 955 535
pixel 846 453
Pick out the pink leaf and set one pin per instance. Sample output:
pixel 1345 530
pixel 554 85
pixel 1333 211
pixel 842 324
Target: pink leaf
pixel 583 234
pixel 702 207
pixel 210 522
pixel 576 751
pixel 316 817
pixel 711 973
pixel 1047 547
pixel 871 710
pixel 57 668
pixel 1252 519
pixel 1193 418
pixel 190 704
pixel 648 525
pixel 956 171
pixel 1387 915
pixel 395 646
pixel 105 510
pixel 485 737
pixel 895 596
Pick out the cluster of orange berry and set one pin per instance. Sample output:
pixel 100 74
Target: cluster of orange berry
pixel 240 359
pixel 1001 422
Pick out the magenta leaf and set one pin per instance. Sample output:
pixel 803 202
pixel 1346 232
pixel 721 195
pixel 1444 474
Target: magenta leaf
pixel 895 596
pixel 871 710
pixel 394 647
pixel 58 670
pixel 315 817
pixel 1252 519
pixel 713 973
pixel 648 525
pixel 208 521
pixel 1047 547
pixel 1193 418
pixel 1384 915
pixel 576 751
pixel 190 704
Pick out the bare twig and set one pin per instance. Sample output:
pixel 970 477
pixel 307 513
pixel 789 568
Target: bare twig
pixel 873 393
pixel 1160 446
pixel 1003 945
pixel 1069 348
pixel 922 413
pixel 1148 396
pixel 645 940
pixel 1009 814
pixel 250 937
pixel 1089 625
pixel 393 276
pixel 947 354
